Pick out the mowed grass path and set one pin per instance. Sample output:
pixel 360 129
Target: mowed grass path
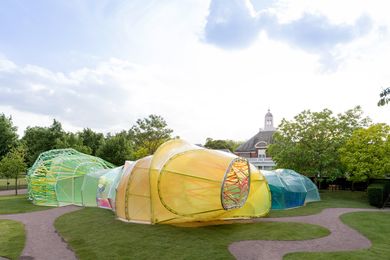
pixel 329 199
pixel 17 204
pixel 374 225
pixel 12 239
pixel 94 233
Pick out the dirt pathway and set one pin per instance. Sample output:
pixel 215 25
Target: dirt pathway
pixel 12 192
pixel 342 237
pixel 42 241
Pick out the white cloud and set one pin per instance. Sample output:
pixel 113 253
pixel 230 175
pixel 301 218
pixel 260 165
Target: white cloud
pixel 201 90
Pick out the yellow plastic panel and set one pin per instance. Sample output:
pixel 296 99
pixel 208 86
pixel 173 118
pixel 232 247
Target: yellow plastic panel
pixel 138 192
pixel 121 190
pixel 190 183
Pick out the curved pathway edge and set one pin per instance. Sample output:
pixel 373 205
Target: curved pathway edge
pixel 342 237
pixel 42 240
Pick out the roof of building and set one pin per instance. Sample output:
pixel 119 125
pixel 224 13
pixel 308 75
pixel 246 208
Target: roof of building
pixel 265 136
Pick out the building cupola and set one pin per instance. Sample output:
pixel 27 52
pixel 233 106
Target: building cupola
pixel 269 122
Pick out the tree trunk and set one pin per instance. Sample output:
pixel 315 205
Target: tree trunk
pixel 7 183
pixel 16 185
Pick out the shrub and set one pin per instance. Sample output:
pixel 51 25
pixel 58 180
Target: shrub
pixel 377 194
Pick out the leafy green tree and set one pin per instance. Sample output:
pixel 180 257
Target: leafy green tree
pixel 8 135
pixel 221 144
pixel 309 144
pixel 384 97
pixel 39 139
pixel 116 149
pixel 91 139
pixel 13 164
pixel 71 140
pixel 367 153
pixel 148 134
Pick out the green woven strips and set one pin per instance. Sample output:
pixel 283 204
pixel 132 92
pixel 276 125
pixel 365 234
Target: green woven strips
pixel 51 180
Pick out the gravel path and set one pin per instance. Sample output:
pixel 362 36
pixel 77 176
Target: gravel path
pixel 342 237
pixel 12 192
pixel 42 241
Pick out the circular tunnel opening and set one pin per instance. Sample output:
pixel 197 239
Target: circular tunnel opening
pixel 236 183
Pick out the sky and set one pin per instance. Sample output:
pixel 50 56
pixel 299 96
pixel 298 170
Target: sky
pixel 210 68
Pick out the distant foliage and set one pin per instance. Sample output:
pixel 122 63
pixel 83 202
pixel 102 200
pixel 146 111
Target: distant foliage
pixel 71 140
pixel 148 134
pixel 116 149
pixel 40 139
pixel 91 139
pixel 222 144
pixel 384 97
pixel 310 143
pixel 13 164
pixel 367 153
pixel 8 135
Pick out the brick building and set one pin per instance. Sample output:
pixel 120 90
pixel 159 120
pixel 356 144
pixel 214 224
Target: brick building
pixel 255 149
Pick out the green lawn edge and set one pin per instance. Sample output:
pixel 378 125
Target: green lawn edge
pixel 94 233
pixel 373 225
pixel 329 199
pixel 12 238
pixel 11 204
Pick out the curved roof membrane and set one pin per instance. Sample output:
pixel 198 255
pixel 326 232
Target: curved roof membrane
pixel 290 189
pixel 56 178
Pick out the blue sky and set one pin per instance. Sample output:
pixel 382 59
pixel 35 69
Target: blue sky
pixel 199 64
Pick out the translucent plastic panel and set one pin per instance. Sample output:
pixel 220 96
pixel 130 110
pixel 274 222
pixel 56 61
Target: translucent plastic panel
pixel 287 188
pixel 52 173
pixel 106 190
pixel 90 187
pixel 64 189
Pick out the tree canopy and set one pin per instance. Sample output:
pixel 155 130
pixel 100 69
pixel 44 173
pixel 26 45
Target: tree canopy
pixel 148 134
pixel 221 144
pixel 116 149
pixel 91 139
pixel 8 135
pixel 367 153
pixel 384 97
pixel 72 140
pixel 309 144
pixel 13 164
pixel 39 139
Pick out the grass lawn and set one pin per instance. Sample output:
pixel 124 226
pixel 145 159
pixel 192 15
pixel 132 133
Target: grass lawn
pixel 21 183
pixel 329 199
pixel 374 225
pixel 12 239
pixel 17 204
pixel 94 233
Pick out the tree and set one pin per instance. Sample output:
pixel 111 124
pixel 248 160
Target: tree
pixel 13 164
pixel 367 153
pixel 309 144
pixel 39 139
pixel 91 139
pixel 116 149
pixel 71 140
pixel 148 134
pixel 8 135
pixel 384 97
pixel 221 144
